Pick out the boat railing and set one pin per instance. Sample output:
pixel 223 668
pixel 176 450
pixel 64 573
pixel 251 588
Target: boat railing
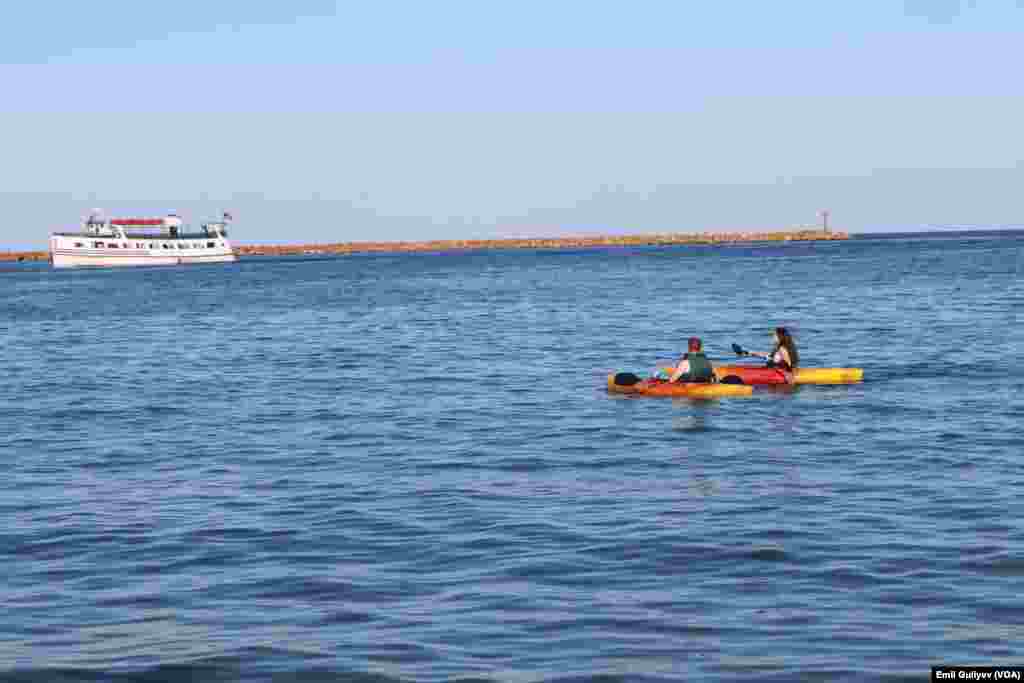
pixel 168 238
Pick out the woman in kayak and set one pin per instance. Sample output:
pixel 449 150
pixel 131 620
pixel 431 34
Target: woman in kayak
pixel 784 356
pixel 694 366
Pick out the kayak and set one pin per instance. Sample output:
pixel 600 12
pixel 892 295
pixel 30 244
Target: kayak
pixel 758 374
pixel 628 383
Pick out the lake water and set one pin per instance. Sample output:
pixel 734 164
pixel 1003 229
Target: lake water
pixel 406 467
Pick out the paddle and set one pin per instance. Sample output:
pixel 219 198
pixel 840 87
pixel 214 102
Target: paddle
pixel 666 368
pixel 739 351
pixel 663 373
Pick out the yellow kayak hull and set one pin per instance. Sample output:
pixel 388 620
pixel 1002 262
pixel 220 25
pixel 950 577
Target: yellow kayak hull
pixel 829 375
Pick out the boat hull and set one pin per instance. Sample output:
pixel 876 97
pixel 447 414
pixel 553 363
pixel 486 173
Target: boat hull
pixel 752 374
pixel 677 390
pixel 105 261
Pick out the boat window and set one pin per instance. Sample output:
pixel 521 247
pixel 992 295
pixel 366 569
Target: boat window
pixel 210 245
pixel 125 245
pixel 97 244
pixel 112 245
pixel 78 244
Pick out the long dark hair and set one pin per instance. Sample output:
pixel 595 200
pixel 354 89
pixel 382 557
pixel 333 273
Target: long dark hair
pixel 786 342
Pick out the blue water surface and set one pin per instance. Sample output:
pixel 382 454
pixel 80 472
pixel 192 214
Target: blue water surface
pixel 406 467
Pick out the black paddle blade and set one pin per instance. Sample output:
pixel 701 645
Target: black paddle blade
pixel 737 350
pixel 626 379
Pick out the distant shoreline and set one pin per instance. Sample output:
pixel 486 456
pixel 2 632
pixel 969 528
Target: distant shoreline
pixel 665 239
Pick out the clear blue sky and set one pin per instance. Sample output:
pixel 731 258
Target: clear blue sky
pixel 319 121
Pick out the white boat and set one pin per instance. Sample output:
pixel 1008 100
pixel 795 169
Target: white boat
pixel 141 242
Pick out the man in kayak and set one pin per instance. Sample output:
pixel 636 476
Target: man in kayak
pixel 694 366
pixel 784 356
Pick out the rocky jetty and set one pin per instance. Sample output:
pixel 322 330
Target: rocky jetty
pixel 24 255
pixel 543 243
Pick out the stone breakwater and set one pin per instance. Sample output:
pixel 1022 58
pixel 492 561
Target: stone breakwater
pixel 511 243
pixel 24 255
pixel 542 243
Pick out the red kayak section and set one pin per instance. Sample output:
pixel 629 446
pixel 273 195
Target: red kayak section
pixel 751 374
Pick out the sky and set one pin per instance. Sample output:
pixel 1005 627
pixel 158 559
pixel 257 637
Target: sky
pixel 321 121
